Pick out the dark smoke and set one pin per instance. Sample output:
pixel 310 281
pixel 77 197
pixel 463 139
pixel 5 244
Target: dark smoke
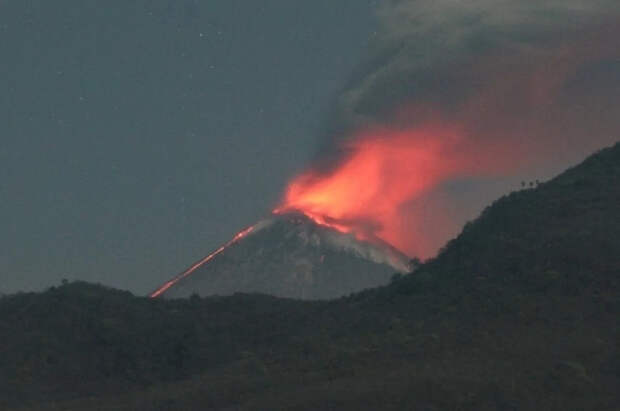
pixel 534 85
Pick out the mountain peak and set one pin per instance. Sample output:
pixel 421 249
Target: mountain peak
pixel 289 255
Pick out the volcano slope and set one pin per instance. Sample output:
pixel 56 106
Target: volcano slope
pixel 519 312
pixel 290 256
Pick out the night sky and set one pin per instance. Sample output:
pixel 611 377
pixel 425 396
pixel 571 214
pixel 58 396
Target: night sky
pixel 136 136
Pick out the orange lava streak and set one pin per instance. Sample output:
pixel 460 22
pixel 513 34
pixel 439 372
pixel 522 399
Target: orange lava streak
pixel 195 266
pixel 382 171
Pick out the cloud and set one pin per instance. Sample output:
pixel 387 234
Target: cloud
pixel 530 87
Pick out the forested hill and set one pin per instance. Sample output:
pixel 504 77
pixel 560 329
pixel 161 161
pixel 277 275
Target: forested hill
pixel 519 312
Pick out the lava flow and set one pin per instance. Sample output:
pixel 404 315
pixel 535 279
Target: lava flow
pixel 368 193
pixel 196 265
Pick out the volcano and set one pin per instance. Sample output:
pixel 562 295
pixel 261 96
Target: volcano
pixel 289 255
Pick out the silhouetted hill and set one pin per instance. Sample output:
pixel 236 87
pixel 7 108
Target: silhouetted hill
pixel 564 233
pixel 519 312
pixel 525 236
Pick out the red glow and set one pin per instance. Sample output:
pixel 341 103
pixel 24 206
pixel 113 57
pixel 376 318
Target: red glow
pixel 198 264
pixel 383 171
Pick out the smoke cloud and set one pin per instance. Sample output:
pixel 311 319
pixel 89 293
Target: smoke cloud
pixel 441 53
pixel 528 87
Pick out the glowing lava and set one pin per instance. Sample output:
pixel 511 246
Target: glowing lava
pixel 195 266
pixel 380 173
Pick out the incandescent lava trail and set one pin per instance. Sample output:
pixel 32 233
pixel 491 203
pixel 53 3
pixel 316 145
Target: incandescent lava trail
pixel 198 264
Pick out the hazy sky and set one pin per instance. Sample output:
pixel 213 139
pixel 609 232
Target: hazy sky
pixel 138 135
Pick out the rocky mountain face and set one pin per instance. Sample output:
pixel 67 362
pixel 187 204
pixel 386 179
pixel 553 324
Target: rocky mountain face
pixel 291 256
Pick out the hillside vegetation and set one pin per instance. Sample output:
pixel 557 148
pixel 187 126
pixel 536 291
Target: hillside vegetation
pixel 519 312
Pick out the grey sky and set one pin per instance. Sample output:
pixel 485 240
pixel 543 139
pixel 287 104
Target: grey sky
pixel 136 136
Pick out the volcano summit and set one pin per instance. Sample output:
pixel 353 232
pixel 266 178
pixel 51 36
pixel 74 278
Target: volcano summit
pixel 289 255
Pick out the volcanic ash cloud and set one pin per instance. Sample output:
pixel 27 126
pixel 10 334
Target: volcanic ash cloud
pixel 461 91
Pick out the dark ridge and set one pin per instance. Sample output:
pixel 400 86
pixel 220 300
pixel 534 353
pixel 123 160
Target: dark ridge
pixel 567 228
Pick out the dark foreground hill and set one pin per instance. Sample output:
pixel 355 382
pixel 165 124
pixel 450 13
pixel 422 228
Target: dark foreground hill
pixel 520 312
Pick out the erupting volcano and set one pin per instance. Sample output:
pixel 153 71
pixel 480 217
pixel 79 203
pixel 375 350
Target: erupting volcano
pixel 340 227
pixel 437 115
pixel 369 189
pixel 289 255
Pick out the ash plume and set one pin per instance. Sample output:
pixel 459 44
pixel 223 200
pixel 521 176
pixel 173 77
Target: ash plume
pixel 478 92
pixel 442 53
